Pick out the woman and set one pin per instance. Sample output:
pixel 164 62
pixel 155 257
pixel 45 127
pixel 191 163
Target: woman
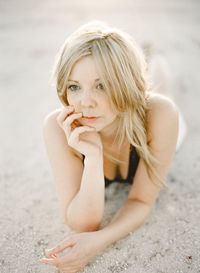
pixel 110 128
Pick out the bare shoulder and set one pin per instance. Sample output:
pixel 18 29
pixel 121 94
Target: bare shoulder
pixel 158 102
pixel 51 117
pixel 50 123
pixel 161 115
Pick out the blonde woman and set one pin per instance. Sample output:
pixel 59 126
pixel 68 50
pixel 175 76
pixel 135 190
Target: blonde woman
pixel 110 128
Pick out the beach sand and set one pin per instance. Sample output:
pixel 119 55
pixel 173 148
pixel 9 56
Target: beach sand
pixel 30 34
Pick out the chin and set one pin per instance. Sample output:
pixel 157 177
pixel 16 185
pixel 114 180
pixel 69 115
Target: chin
pixel 98 129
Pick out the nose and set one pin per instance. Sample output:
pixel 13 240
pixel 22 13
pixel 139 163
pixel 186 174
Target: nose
pixel 88 99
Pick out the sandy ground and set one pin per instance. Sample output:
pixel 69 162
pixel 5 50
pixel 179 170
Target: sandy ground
pixel 30 34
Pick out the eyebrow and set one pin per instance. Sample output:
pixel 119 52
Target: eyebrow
pixel 78 82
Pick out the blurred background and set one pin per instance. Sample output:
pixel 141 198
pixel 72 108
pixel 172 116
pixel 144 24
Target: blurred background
pixel 31 33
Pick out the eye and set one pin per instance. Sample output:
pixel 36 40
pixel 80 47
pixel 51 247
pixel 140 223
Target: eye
pixel 100 86
pixel 73 87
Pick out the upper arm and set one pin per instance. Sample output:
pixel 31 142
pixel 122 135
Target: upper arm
pixel 66 166
pixel 162 132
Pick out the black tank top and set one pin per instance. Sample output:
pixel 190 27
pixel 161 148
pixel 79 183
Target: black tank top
pixel 133 163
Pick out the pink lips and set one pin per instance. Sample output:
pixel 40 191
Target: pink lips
pixel 90 118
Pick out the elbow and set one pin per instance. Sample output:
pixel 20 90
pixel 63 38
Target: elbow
pixel 85 228
pixel 87 225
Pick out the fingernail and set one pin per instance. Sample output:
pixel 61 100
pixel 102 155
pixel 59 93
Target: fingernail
pixel 53 255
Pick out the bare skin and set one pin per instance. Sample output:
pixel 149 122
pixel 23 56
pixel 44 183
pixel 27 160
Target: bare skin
pixel 81 188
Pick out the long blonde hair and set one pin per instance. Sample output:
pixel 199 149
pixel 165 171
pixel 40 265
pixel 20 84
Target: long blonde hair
pixel 122 68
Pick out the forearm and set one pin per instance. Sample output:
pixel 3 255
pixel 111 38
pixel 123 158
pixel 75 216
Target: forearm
pixel 131 215
pixel 88 204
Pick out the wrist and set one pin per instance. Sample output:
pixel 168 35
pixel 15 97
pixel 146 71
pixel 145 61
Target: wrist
pixel 100 240
pixel 95 157
pixel 104 238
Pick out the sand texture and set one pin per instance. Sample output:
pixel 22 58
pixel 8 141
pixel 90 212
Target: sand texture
pixel 30 34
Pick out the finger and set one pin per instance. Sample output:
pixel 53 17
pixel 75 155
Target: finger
pixel 67 124
pixel 60 247
pixel 64 114
pixel 49 261
pixel 71 118
pixel 49 255
pixel 53 256
pixel 79 130
pixel 58 261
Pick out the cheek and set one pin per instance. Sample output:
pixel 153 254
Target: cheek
pixel 108 105
pixel 110 112
pixel 72 101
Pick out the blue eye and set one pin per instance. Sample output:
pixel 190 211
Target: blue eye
pixel 100 86
pixel 73 87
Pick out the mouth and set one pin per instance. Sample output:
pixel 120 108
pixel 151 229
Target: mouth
pixel 90 118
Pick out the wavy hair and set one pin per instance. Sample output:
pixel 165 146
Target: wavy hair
pixel 122 69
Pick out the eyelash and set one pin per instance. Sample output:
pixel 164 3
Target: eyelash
pixel 70 86
pixel 74 85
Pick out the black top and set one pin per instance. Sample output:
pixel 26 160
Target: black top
pixel 133 163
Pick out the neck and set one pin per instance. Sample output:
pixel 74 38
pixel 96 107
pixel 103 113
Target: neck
pixel 108 136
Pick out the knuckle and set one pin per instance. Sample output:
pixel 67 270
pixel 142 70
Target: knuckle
pixel 70 118
pixel 78 129
pixel 66 123
pixel 72 139
pixel 70 142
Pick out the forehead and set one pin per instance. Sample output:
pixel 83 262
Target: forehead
pixel 84 67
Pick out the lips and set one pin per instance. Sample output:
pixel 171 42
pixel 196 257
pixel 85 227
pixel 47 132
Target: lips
pixel 90 117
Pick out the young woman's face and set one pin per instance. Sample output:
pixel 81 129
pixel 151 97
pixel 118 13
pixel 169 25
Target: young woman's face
pixel 86 93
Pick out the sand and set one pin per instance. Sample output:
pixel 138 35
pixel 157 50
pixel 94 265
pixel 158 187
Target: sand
pixel 30 35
